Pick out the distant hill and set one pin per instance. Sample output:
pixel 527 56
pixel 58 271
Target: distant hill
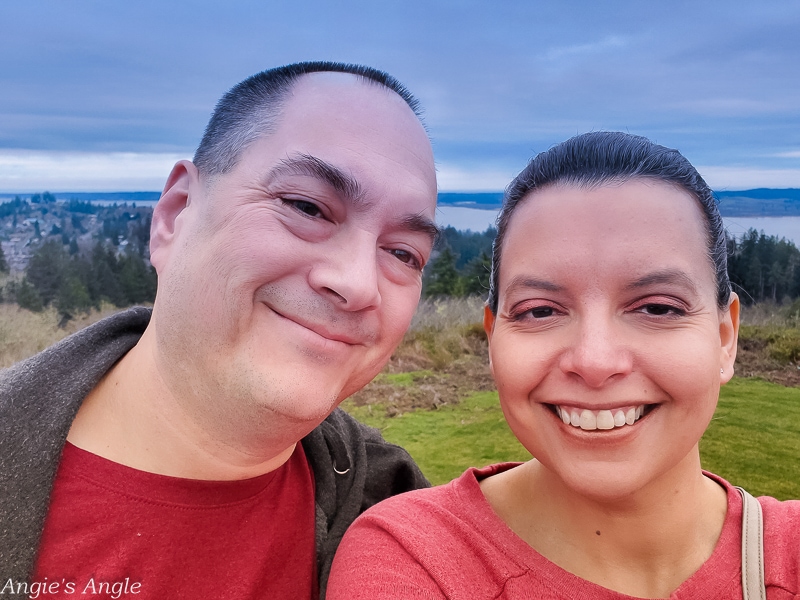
pixel 761 202
pixel 487 200
pixel 109 196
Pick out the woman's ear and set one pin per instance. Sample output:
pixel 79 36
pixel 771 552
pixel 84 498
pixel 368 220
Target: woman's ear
pixel 166 223
pixel 488 327
pixel 729 337
pixel 488 322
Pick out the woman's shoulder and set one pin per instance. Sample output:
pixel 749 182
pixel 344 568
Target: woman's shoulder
pixel 781 543
pixel 781 520
pixel 459 500
pixel 444 541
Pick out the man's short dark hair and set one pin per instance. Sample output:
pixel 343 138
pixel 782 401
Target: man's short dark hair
pixel 252 109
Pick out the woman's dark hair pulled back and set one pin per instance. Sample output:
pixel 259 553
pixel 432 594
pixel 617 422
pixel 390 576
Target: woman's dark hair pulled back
pixel 594 159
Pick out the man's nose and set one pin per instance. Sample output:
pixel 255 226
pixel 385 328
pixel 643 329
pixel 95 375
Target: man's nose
pixel 348 272
pixel 597 352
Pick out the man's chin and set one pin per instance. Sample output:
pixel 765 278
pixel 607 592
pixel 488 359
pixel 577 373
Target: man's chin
pixel 297 403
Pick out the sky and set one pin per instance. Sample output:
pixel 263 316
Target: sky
pixel 106 95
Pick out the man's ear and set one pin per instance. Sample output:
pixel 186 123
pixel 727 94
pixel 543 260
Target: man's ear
pixel 729 337
pixel 166 222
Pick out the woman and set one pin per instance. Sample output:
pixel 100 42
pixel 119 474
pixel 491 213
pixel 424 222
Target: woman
pixel 611 326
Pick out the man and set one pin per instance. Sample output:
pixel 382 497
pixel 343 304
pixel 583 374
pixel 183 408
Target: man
pixel 289 257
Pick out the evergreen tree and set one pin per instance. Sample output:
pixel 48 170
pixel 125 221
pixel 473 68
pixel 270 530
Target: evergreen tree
pixel 3 263
pixel 46 270
pixel 104 281
pixel 138 282
pixel 72 296
pixel 476 275
pixel 443 279
pixel 27 296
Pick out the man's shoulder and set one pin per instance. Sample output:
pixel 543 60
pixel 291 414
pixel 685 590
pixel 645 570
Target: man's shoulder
pixel 347 447
pixel 355 468
pixel 107 340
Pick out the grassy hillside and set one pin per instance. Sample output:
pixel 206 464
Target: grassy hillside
pixel 437 399
pixel 753 440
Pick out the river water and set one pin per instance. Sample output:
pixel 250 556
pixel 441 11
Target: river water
pixel 477 219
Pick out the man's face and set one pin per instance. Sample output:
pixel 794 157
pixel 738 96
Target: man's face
pixel 287 283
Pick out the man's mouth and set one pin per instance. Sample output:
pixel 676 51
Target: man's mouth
pixel 590 420
pixel 323 330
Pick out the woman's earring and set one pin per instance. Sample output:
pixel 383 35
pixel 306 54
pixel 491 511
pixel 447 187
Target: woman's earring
pixel 721 371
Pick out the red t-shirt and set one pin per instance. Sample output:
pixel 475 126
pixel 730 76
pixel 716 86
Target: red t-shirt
pixel 117 532
pixel 447 542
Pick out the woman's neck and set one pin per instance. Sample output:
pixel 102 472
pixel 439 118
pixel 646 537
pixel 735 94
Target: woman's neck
pixel 644 544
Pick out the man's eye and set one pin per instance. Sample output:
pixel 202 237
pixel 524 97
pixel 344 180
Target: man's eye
pixel 309 208
pixel 405 257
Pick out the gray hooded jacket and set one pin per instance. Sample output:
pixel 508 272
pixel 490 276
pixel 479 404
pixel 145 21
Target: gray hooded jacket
pixel 353 466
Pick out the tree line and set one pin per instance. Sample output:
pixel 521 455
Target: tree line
pixel 74 283
pixel 760 267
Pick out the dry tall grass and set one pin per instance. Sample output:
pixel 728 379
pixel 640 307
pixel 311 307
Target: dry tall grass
pixel 24 333
pixel 769 314
pixel 442 331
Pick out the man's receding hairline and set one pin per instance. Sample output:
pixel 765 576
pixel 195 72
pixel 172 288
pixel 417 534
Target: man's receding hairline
pixel 251 109
pixel 287 92
pixel 282 100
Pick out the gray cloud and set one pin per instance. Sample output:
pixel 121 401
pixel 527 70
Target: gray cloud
pixel 499 80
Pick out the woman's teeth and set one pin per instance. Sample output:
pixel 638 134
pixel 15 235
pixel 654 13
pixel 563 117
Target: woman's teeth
pixel 590 420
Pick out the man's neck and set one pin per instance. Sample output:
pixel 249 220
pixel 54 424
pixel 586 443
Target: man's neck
pixel 133 418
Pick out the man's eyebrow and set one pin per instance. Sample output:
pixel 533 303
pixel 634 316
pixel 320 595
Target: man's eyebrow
pixel 521 281
pixel 311 166
pixel 668 276
pixel 421 224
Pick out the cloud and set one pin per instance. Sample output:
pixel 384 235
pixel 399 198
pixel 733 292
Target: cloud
pixel 790 154
pixel 611 42
pixel 463 178
pixel 722 178
pixel 35 171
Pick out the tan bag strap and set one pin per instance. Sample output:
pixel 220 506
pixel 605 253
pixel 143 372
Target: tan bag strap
pixel 752 548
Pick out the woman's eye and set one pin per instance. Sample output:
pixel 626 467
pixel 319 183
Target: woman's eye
pixel 541 312
pixel 544 311
pixel 660 310
pixel 308 208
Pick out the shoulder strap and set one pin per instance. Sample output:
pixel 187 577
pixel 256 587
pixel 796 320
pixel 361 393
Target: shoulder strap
pixel 752 548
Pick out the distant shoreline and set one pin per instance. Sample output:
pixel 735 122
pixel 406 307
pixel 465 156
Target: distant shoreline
pixel 760 202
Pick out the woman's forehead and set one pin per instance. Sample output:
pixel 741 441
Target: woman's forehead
pixel 614 205
pixel 636 224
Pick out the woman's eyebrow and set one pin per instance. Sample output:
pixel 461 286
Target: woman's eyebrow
pixel 532 283
pixel 667 276
pixel 311 166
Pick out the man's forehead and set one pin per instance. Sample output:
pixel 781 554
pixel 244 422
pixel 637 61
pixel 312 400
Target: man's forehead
pixel 331 90
pixel 325 113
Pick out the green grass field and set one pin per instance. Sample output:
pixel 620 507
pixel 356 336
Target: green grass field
pixel 753 440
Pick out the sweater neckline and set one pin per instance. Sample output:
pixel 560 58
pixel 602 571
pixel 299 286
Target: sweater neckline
pixel 719 572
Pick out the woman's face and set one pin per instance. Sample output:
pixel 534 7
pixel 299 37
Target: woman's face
pixel 608 343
